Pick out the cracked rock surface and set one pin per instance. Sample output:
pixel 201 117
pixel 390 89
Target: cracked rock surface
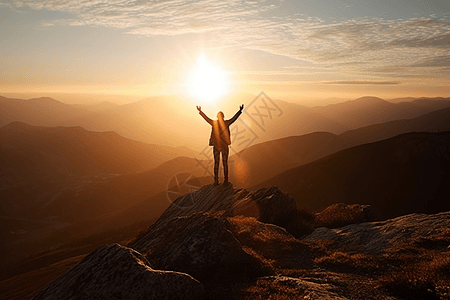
pixel 117 272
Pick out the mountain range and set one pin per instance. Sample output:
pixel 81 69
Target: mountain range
pixel 282 154
pixel 173 121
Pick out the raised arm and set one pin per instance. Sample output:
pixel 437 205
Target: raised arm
pixel 236 115
pixel 199 108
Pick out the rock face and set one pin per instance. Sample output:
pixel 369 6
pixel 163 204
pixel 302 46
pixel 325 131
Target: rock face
pixel 269 205
pixel 193 235
pixel 200 244
pixel 266 205
pixel 117 272
pixel 373 237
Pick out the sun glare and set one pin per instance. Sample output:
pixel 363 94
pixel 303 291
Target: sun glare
pixel 207 82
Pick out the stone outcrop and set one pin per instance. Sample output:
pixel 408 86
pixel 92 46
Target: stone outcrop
pixel 269 205
pixel 193 235
pixel 373 237
pixel 200 244
pixel 117 272
pixel 266 205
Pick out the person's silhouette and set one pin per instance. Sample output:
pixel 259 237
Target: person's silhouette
pixel 220 140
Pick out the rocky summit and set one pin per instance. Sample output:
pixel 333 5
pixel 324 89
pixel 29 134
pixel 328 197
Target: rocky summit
pixel 220 242
pixel 269 205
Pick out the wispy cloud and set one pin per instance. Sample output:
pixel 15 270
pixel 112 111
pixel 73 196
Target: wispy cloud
pixel 353 45
pixel 362 82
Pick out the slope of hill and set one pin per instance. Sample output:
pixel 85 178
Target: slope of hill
pixel 404 174
pixel 435 121
pixel 265 159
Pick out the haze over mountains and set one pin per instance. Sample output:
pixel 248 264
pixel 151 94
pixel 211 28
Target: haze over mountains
pixel 74 151
pixel 68 172
pixel 171 120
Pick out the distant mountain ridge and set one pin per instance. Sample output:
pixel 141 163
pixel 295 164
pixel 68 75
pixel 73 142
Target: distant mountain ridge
pixel 372 110
pixel 84 152
pixel 173 120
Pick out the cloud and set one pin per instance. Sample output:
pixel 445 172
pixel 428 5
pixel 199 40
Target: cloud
pixel 362 82
pixel 352 45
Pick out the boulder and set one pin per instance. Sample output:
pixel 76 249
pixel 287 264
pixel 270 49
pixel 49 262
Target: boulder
pixel 340 214
pixel 117 272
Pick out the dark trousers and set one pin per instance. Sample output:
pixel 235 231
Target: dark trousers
pixel 216 152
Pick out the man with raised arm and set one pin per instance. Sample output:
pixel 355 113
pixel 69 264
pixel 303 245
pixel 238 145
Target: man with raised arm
pixel 220 140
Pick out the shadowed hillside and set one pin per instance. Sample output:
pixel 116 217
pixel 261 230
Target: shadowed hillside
pixel 435 121
pixel 263 160
pixel 404 174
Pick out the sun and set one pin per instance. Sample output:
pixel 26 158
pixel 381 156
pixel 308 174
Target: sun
pixel 207 82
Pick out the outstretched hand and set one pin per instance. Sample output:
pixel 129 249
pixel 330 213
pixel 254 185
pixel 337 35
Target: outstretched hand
pixel 199 108
pixel 241 107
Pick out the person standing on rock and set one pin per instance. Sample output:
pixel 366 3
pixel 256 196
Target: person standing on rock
pixel 220 140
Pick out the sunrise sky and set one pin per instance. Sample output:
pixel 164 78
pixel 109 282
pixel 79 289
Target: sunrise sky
pixel 299 50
